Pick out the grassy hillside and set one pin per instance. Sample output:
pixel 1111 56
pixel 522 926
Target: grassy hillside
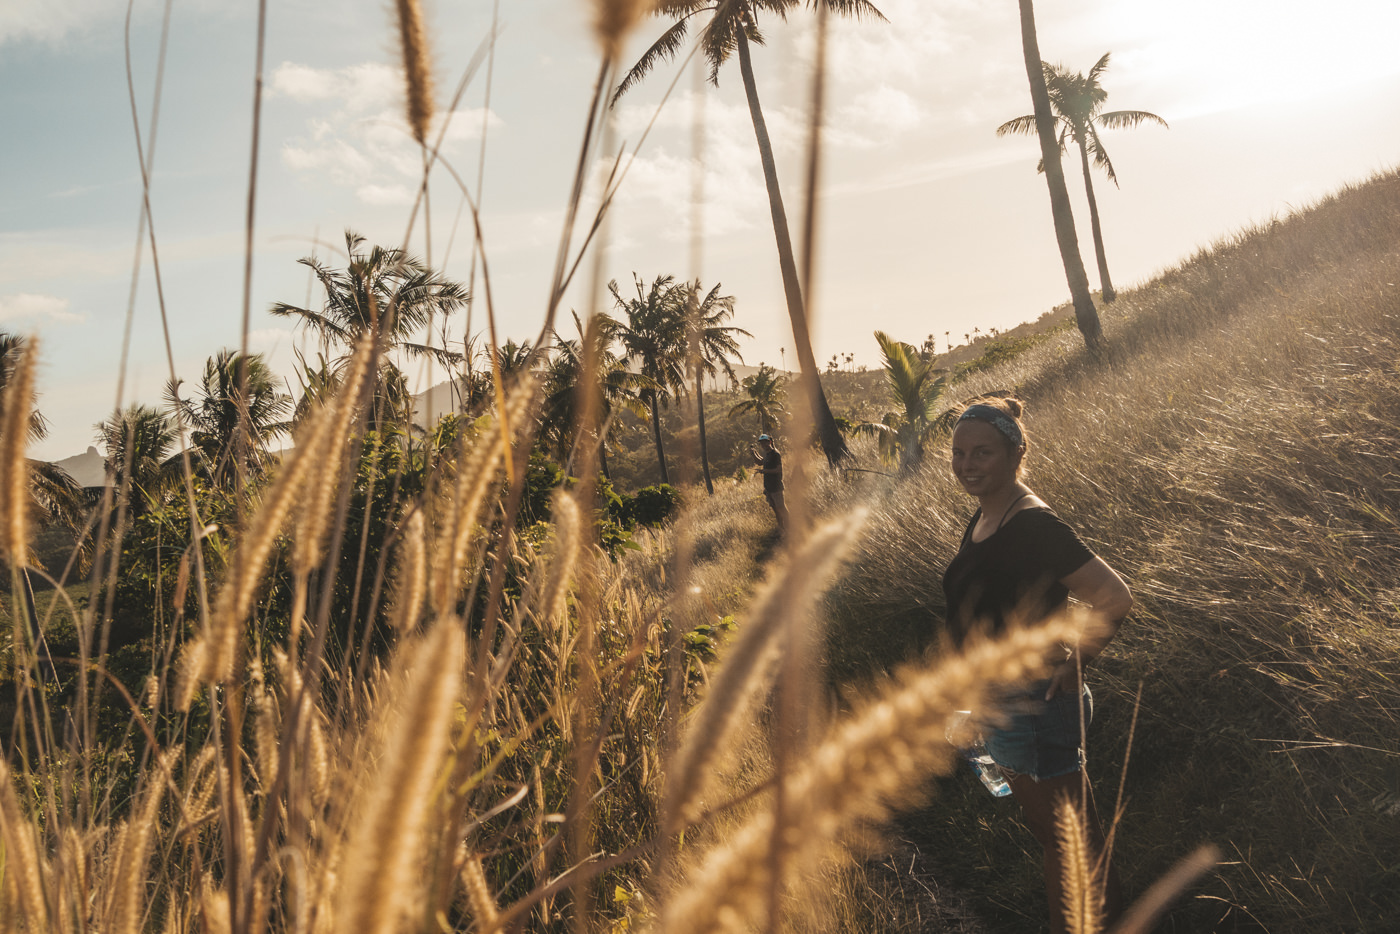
pixel 1235 457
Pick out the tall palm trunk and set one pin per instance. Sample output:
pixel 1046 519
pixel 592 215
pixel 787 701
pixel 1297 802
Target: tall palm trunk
pixel 1084 313
pixel 700 418
pixel 1105 283
pixel 656 434
pixel 833 445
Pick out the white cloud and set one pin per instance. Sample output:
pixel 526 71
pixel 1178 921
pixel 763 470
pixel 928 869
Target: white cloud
pixel 385 195
pixel 31 307
pixel 660 181
pixel 363 87
pixel 52 20
pixel 357 137
pixel 884 108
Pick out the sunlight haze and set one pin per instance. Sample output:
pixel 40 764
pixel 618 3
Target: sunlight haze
pixel 931 224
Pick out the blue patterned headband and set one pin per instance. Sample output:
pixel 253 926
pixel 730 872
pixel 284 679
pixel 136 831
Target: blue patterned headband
pixel 998 420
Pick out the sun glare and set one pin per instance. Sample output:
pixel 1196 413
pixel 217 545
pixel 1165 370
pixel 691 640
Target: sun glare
pixel 1256 51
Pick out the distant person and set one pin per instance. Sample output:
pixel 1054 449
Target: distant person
pixel 770 463
pixel 1018 559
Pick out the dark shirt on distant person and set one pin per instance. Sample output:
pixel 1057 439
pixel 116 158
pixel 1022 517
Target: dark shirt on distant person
pixel 772 471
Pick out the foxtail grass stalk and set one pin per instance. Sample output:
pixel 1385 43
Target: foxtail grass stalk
pixel 411 576
pixel 479 894
pixel 1082 884
pixel 14 468
pixel 382 847
pixel 568 534
pixel 883 751
pixel 25 867
pixel 1143 915
pixel 475 474
pixel 417 68
pixel 750 662
pixel 614 19
pixel 129 881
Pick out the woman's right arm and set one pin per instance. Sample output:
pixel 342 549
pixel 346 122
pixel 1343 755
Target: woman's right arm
pixel 1101 588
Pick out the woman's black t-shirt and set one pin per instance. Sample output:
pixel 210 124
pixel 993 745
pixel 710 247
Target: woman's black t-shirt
pixel 1014 571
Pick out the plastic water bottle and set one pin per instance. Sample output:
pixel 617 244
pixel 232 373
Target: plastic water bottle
pixel 960 730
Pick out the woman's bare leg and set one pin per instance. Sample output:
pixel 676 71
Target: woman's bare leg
pixel 1038 800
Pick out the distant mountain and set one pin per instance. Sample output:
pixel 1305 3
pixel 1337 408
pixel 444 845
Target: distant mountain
pixel 87 468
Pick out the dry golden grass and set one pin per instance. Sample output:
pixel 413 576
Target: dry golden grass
pixel 1234 460
pixel 543 737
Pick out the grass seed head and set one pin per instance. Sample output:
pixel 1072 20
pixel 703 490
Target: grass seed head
pixel 614 19
pixel 417 67
pixel 1083 891
pixel 15 406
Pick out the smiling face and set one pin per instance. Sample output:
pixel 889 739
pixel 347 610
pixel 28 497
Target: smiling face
pixel 983 460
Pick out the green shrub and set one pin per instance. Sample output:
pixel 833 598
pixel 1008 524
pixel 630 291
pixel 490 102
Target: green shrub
pixel 653 505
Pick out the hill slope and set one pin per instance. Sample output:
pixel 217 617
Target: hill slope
pixel 1235 457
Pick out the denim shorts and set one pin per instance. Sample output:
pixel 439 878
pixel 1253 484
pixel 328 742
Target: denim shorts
pixel 1040 738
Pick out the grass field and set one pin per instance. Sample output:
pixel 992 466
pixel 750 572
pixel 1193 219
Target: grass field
pixel 405 682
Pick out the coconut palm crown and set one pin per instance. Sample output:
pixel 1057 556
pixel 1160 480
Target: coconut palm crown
pixel 915 388
pixel 710 344
pixel 381 288
pixel 615 388
pixel 765 391
pixel 653 337
pixel 236 411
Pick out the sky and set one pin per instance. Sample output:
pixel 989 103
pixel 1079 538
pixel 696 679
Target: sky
pixel 930 223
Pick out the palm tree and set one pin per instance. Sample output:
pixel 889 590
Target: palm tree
pixel 1077 100
pixel 384 292
pixel 711 343
pixel 140 442
pixel 732 27
pixel 766 391
pixel 915 390
pixel 615 387
pixel 512 360
pixel 1085 315
pixel 654 338
pixel 236 412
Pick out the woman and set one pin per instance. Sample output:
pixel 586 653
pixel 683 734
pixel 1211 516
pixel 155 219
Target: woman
pixel 1019 560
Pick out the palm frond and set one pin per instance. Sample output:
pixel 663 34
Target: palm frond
pixel 778 8
pixel 681 7
pixel 440 355
pixel 1100 155
pixel 663 49
pixel 719 40
pixel 314 320
pixel 1099 68
pixel 854 9
pixel 1127 119
pixel 1024 126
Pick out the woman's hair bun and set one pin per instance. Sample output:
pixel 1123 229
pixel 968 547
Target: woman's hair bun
pixel 1013 406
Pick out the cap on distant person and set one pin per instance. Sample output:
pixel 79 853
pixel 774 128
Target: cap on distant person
pixel 765 438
